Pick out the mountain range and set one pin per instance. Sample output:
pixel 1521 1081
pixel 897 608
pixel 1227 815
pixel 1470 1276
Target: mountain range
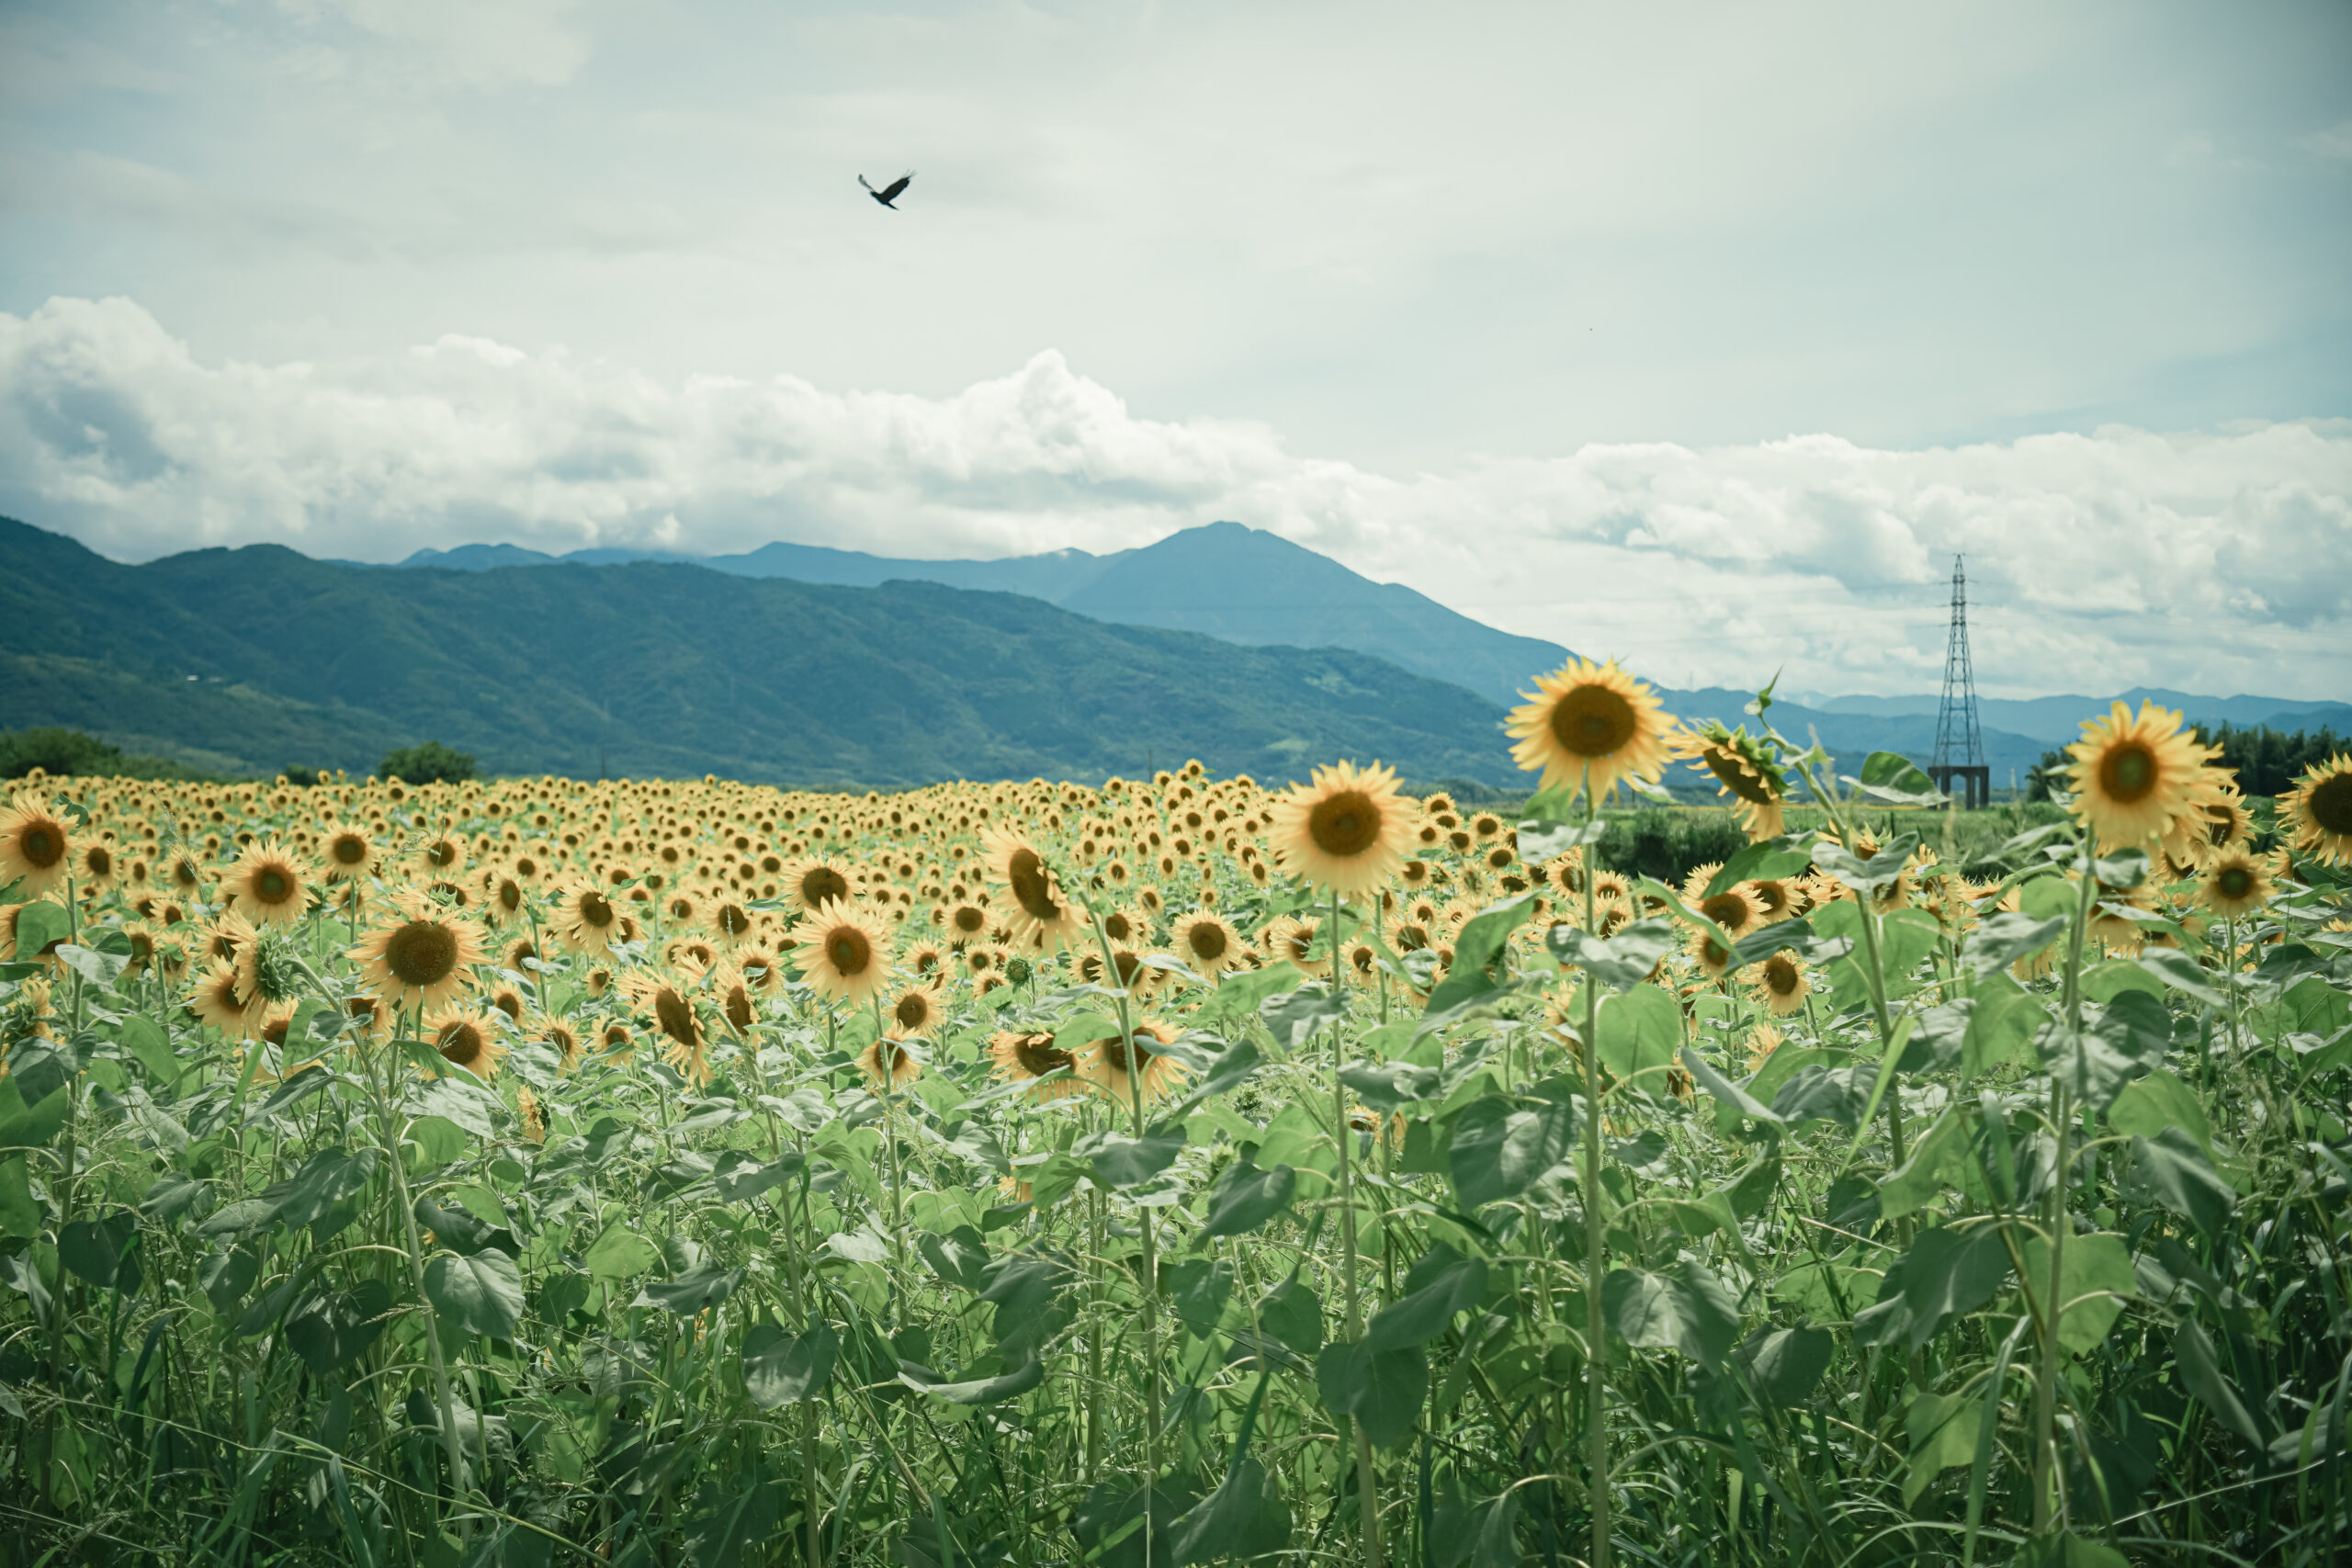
pixel 1222 580
pixel 825 667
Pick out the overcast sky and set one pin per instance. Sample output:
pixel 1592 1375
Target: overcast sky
pixel 1699 335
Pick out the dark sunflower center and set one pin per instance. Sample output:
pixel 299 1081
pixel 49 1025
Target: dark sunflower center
pixel 821 884
pixel 1781 975
pixel 1038 1055
pixel 1139 1053
pixel 509 895
pixel 969 920
pixel 2235 882
pixel 1732 771
pixel 1711 954
pixel 349 848
pixel 733 920
pixel 2330 804
pixel 422 953
pixel 1207 941
pixel 1592 721
pixel 850 952
pixel 42 845
pixel 913 1011
pixel 272 886
pixel 2128 772
pixel 675 1018
pixel 443 853
pixel 99 861
pixel 509 1003
pixel 1729 910
pixel 1345 825
pixel 1032 888
pixel 1771 897
pixel 459 1042
pixel 596 909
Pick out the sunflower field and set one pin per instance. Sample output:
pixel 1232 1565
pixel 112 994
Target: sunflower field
pixel 1180 1170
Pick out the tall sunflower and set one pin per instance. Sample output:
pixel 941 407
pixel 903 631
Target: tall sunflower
pixel 890 1061
pixel 36 845
pixel 840 953
pixel 1781 984
pixel 467 1038
pixel 2235 883
pixel 215 999
pixel 419 956
pixel 269 885
pixel 1041 910
pixel 350 852
pixel 2134 774
pixel 1588 720
pixel 1344 832
pixel 916 1012
pixel 1746 768
pixel 1142 1064
pixel 585 920
pixel 1208 943
pixel 812 882
pixel 2317 813
pixel 1018 1056
pixel 671 1007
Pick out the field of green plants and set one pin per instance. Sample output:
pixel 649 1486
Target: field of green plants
pixel 1181 1170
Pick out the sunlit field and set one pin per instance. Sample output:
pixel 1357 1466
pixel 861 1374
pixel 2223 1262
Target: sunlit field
pixel 1181 1169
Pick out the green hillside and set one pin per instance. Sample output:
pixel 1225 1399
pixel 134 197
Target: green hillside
pixel 259 657
pixel 1224 579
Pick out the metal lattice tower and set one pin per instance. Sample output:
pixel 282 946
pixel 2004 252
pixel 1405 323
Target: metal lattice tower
pixel 1960 749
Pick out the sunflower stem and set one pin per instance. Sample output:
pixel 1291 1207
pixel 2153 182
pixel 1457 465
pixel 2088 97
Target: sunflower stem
pixel 1596 1238
pixel 1367 1484
pixel 2062 1116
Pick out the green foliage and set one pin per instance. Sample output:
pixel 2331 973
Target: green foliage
pixel 70 753
pixel 1368 1254
pixel 427 762
pixel 2269 760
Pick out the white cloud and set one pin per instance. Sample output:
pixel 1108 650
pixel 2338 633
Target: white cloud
pixel 2211 561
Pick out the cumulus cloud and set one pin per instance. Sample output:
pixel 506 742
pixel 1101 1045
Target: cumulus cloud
pixel 2207 560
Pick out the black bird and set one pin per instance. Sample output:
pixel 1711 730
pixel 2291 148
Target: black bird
pixel 889 195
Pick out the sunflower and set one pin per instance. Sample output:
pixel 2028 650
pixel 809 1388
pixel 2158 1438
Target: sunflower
pixel 36 846
pixel 504 896
pixel 814 881
pixel 1294 937
pixel 1746 768
pixel 466 1038
pixel 889 1062
pixel 2317 813
pixel 1143 1066
pixel 94 866
pixel 369 1015
pixel 506 999
pixel 1762 1041
pixel 2133 775
pixel 2235 883
pixel 1041 910
pixel 917 1011
pixel 585 920
pixel 1208 943
pixel 442 856
pixel 560 1034
pixel 269 884
pixel 760 968
pixel 1346 832
pixel 728 921
pixel 1780 985
pixel 350 852
pixel 419 956
pixel 215 999
pixel 1710 955
pixel 925 960
pixel 840 953
pixel 732 993
pixel 1590 721
pixel 965 922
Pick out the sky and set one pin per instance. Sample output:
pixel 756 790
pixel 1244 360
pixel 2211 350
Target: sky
pixel 1701 336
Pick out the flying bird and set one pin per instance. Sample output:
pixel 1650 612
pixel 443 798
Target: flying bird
pixel 889 195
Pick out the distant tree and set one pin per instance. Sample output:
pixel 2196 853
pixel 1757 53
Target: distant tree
pixel 60 752
pixel 428 761
pixel 304 778
pixel 2270 761
pixel 2049 774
